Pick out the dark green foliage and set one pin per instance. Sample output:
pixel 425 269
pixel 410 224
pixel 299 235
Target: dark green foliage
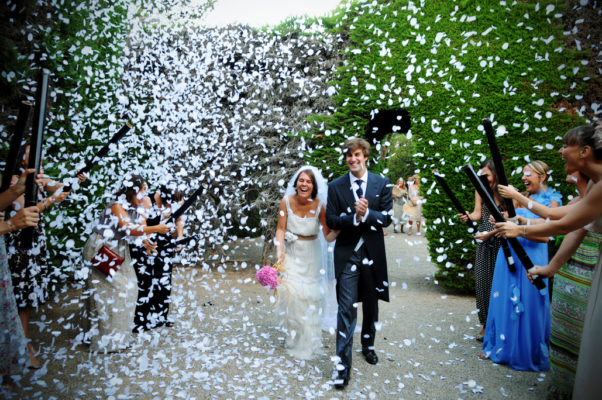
pixel 81 45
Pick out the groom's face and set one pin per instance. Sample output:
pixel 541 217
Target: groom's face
pixel 356 161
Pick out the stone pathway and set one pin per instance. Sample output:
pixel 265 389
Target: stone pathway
pixel 225 344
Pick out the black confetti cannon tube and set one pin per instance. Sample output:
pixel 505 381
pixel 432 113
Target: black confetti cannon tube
pixel 443 183
pixel 503 242
pixel 15 145
pixel 497 161
pixel 105 149
pixel 35 150
pixel 102 152
pixel 164 243
pixel 189 201
pixel 497 215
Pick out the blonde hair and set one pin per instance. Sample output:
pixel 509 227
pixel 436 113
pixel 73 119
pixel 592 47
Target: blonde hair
pixel 416 179
pixel 540 168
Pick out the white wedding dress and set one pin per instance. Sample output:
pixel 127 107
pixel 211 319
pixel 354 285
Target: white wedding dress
pixel 302 291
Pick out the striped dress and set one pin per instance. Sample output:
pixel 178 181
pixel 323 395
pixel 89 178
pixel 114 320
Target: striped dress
pixel 569 303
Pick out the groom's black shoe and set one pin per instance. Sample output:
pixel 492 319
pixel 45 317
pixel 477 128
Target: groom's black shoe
pixel 342 380
pixel 370 356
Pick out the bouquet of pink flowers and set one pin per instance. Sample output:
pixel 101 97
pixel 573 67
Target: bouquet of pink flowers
pixel 267 276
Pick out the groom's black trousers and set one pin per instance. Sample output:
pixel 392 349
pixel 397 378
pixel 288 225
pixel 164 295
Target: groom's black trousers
pixel 357 276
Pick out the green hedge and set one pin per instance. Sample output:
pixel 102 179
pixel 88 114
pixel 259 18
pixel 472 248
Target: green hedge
pixel 450 64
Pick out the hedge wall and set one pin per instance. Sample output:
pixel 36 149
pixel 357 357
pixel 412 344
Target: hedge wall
pixel 450 64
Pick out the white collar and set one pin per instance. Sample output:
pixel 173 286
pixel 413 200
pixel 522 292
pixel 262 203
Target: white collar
pixel 364 177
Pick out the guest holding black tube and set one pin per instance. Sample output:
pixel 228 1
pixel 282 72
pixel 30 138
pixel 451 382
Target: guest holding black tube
pixel 13 343
pixel 582 151
pixel 518 322
pixel 111 299
pixel 575 260
pixel 154 271
pixel 488 244
pixel 29 268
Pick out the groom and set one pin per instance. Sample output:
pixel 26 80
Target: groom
pixel 359 206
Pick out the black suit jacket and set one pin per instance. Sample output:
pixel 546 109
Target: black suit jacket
pixel 340 213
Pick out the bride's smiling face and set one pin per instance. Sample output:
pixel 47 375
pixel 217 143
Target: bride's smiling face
pixel 305 186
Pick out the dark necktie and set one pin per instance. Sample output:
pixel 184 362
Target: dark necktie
pixel 359 190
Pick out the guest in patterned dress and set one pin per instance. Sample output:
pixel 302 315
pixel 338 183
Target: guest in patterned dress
pixel 487 244
pixel 13 343
pixel 29 268
pixel 111 300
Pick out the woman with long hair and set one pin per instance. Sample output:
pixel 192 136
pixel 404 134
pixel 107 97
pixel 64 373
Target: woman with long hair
pixel 302 297
pixel 13 343
pixel 517 310
pixel 29 266
pixel 111 300
pixel 487 244
pixel 582 151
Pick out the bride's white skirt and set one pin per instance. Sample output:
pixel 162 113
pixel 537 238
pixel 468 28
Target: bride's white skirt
pixel 302 299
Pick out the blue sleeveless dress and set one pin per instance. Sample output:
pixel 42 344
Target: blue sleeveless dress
pixel 518 321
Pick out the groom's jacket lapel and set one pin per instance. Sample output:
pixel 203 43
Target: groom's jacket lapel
pixel 371 188
pixel 347 192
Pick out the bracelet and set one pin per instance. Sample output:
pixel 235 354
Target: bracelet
pixel 10 225
pixel 524 231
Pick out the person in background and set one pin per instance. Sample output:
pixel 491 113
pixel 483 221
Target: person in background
pixel 13 343
pixel 582 151
pixel 488 244
pixel 29 267
pixel 400 196
pixel 111 300
pixel 154 271
pixel 575 260
pixel 415 200
pixel 518 322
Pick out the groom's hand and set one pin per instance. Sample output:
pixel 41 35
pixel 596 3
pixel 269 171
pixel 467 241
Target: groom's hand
pixel 361 207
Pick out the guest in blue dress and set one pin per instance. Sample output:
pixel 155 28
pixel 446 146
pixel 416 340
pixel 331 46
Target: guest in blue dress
pixel 518 322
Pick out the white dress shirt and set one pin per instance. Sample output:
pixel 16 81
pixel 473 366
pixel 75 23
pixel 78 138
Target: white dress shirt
pixel 355 186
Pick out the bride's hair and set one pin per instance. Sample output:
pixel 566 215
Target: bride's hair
pixel 314 190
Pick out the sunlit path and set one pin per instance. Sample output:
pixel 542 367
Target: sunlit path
pixel 225 344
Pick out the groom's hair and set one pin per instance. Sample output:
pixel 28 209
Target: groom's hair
pixel 354 143
pixel 314 190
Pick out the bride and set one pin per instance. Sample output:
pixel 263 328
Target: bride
pixel 303 287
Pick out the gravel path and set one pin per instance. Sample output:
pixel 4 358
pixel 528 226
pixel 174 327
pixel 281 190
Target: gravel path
pixel 225 344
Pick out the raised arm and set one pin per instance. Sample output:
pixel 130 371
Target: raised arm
pixel 125 223
pixel 15 190
pixel 475 215
pixel 552 212
pixel 567 248
pixel 579 215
